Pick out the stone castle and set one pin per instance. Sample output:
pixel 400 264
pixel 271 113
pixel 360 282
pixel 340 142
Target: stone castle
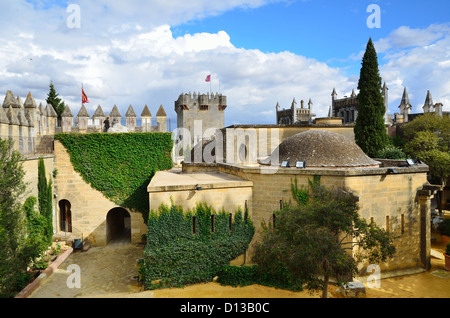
pixel 346 108
pixel 392 194
pixel 32 127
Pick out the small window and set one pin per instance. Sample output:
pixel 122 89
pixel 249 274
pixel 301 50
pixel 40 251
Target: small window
pixel 194 225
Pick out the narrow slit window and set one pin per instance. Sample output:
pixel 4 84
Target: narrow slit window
pixel 230 221
pixel 194 225
pixel 387 223
pixel 403 224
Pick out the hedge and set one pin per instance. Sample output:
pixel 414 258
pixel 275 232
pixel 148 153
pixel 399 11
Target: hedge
pixel 120 165
pixel 187 248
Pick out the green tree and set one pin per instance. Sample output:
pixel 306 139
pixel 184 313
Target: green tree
pixel 45 200
pixel 53 99
pixel 428 138
pixel 320 239
pixel 12 219
pixel 370 130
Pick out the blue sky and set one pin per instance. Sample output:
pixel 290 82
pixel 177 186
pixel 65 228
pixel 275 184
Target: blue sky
pixel 262 51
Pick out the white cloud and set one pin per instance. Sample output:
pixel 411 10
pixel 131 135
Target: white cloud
pixel 122 63
pixel 417 59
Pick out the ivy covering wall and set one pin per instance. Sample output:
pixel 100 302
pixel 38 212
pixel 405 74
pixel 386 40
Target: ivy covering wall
pixel 120 165
pixel 188 248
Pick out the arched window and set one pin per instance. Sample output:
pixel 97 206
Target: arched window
pixel 65 216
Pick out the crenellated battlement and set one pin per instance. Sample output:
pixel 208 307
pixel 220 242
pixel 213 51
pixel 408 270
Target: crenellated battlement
pixel 26 123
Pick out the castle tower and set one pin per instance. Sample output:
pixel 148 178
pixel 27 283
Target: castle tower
pixel 130 119
pixel 66 119
pixel 13 127
pixel 32 111
pixel 4 123
pixel 146 120
pixel 52 117
pixel 207 114
pixel 333 98
pixel 294 110
pixel 114 116
pixel 98 117
pixel 82 119
pixel 161 119
pixel 42 118
pixel 405 106
pixel 428 106
pixel 311 115
pixel 10 101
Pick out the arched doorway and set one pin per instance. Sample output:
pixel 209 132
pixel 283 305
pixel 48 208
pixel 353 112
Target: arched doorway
pixel 118 226
pixel 65 216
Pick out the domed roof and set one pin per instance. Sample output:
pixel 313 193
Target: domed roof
pixel 321 148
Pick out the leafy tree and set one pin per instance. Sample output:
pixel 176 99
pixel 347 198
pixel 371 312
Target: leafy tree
pixel 322 238
pixel 53 99
pixel 36 225
pixel 370 130
pixel 12 219
pixel 428 138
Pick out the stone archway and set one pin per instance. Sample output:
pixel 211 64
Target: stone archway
pixel 65 216
pixel 118 226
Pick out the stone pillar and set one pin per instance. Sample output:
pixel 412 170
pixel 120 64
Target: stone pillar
pixel 130 119
pixel 424 198
pixel 146 118
pixel 66 119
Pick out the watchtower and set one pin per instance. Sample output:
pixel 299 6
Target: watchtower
pixel 204 111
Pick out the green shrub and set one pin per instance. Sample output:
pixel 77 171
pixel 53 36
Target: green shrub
pixel 447 249
pixel 177 253
pixel 247 275
pixel 390 152
pixel 120 165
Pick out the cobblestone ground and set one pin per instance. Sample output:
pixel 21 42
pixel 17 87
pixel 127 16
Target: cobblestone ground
pixel 103 270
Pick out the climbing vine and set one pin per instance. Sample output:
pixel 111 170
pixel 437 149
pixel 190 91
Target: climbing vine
pixel 120 165
pixel 187 248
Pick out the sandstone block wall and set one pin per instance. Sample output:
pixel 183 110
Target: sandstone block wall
pixel 89 207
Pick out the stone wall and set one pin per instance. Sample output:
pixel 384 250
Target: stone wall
pixel 394 201
pixel 186 191
pixel 261 140
pixel 89 207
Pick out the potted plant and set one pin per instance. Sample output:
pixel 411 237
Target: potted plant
pixel 444 229
pixel 447 257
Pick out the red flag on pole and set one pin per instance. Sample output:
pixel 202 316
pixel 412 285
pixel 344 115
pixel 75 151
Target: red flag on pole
pixel 208 78
pixel 84 98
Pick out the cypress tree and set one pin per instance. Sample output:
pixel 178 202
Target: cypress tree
pixel 45 200
pixel 55 101
pixel 370 130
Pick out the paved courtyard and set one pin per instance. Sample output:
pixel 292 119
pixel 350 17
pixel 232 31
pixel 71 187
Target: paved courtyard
pixel 109 272
pixel 103 270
